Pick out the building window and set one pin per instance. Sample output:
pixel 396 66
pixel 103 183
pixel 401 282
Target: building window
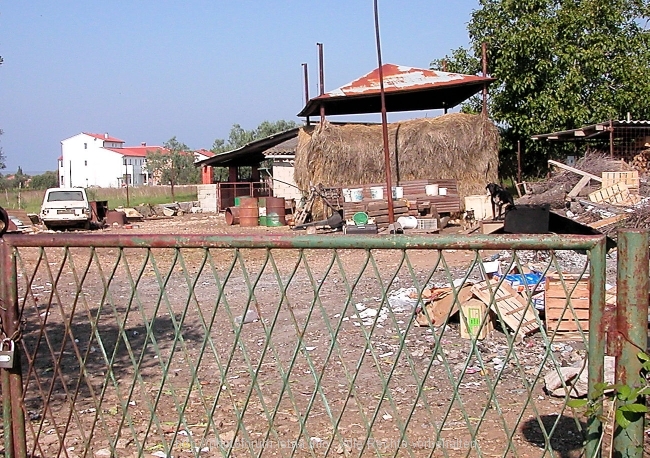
pixel 129 161
pixel 86 163
pixel 85 145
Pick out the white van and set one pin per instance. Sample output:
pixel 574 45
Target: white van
pixel 66 207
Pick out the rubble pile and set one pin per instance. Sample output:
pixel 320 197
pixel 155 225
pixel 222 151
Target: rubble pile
pixel 599 192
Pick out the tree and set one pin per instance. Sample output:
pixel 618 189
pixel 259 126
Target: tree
pixel 558 64
pixel 173 165
pixel 239 137
pixel 3 164
pixel 44 181
pixel 20 178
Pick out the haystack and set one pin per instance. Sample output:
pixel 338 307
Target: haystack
pixel 454 146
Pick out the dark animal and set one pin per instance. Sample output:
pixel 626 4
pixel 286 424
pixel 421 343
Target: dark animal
pixel 500 198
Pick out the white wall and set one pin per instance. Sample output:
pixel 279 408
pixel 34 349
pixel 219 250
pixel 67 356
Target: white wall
pixel 87 163
pixel 283 171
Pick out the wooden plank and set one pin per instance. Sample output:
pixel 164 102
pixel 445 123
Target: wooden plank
pixel 574 170
pixel 607 221
pixel 509 305
pixel 578 187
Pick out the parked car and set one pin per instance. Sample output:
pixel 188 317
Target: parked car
pixel 66 208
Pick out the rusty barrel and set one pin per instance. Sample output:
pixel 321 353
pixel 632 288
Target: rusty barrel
pixel 275 211
pixel 232 215
pixel 248 212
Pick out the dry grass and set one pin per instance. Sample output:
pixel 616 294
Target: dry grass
pixel 454 146
pixel 116 197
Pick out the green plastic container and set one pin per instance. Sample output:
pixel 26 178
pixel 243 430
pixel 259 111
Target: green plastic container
pixel 263 220
pixel 360 218
pixel 273 220
pixel 237 200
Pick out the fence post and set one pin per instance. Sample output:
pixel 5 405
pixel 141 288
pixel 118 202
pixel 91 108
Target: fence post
pixel 597 344
pixel 633 285
pixel 12 381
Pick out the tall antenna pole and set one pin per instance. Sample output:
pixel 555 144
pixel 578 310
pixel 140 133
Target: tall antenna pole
pixel 306 80
pixel 384 123
pixel 321 74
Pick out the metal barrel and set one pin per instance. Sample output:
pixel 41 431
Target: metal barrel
pixel 275 211
pixel 232 215
pixel 248 212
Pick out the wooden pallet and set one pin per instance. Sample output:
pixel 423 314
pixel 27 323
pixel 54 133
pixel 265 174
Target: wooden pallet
pixel 566 322
pixel 617 194
pixel 513 309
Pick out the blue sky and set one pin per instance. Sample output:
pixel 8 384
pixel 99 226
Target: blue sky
pixel 147 70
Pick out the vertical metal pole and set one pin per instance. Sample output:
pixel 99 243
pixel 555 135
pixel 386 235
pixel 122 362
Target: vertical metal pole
pixel 321 79
pixel 384 123
pixel 484 59
pixel 11 329
pixel 518 161
pixel 611 139
pixel 306 80
pixel 633 285
pixel 126 180
pixel 597 343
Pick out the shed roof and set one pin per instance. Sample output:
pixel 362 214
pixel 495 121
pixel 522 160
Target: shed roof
pixel 405 89
pixel 599 131
pixel 252 152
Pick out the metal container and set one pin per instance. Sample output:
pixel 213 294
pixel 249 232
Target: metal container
pixel 275 211
pixel 248 212
pixel 232 215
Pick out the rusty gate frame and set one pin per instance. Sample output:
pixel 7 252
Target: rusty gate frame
pixel 632 296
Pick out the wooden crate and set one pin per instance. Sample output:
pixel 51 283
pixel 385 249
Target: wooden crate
pixel 631 180
pixel 555 302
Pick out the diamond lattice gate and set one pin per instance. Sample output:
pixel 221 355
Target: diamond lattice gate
pixel 291 346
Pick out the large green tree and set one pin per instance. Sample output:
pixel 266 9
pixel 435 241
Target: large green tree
pixel 239 137
pixel 173 165
pixel 558 64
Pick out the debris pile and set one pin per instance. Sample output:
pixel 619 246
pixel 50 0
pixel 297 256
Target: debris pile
pixel 600 192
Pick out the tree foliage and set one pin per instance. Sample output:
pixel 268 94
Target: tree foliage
pixel 239 137
pixel 558 64
pixel 174 165
pixel 44 181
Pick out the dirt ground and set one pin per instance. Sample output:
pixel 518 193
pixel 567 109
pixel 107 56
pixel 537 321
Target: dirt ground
pixel 160 335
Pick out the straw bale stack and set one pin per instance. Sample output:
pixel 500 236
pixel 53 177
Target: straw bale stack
pixel 454 146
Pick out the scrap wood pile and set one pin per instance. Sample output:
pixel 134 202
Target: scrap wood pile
pixel 599 191
pixel 641 161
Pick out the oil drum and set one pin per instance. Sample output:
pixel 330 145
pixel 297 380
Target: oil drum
pixel 275 211
pixel 248 212
pixel 232 215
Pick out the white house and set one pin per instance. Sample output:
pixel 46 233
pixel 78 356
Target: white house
pixel 101 160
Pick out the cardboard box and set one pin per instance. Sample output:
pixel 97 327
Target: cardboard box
pixel 474 313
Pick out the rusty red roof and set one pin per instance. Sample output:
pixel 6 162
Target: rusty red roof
pixel 137 151
pixel 405 88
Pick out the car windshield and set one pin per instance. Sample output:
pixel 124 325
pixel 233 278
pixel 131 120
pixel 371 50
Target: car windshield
pixel 60 196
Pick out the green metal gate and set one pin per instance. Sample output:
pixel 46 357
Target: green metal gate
pixel 288 346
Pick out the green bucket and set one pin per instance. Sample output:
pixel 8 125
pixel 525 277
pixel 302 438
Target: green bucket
pixel 360 218
pixel 273 220
pixel 237 200
pixel 263 220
